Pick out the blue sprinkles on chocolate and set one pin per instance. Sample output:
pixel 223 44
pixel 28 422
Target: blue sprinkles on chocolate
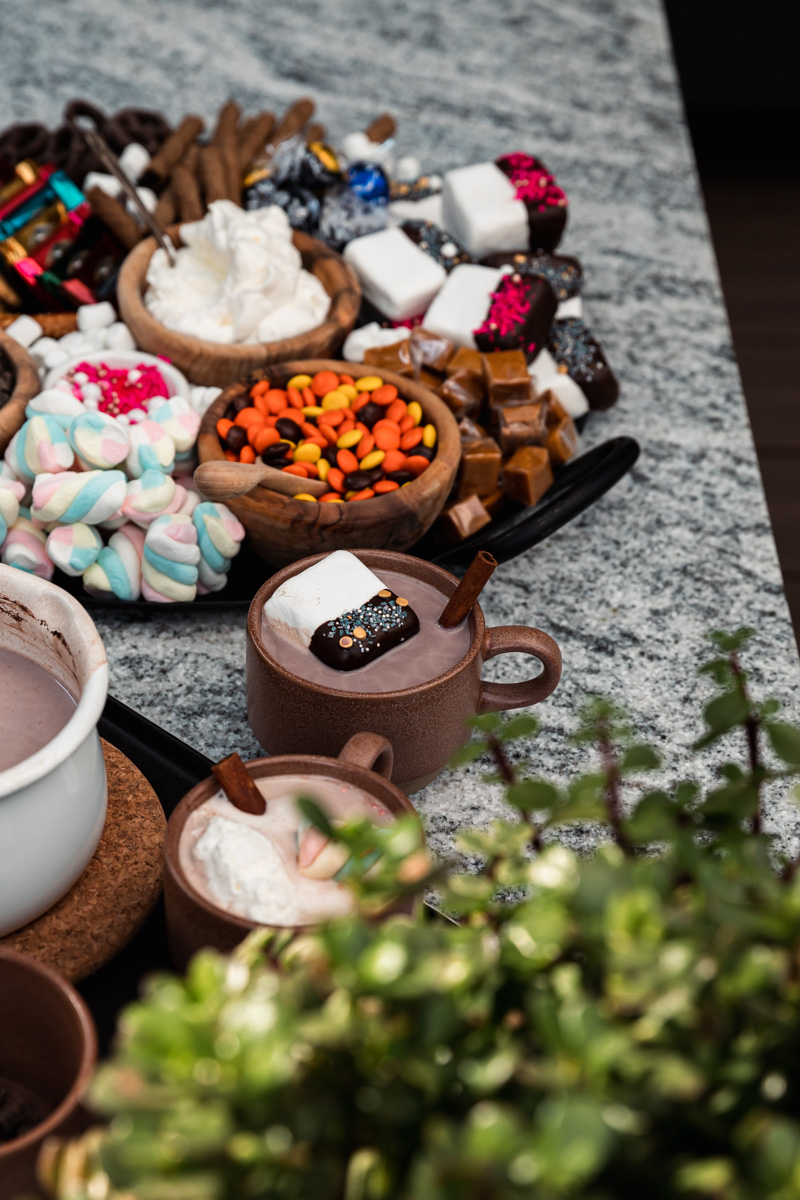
pixel 364 634
pixel 573 347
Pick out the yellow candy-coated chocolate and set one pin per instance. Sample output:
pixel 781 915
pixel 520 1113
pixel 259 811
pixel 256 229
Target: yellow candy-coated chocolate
pixel 299 382
pixel 347 440
pixel 333 500
pixel 312 410
pixel 429 436
pixel 370 461
pixel 305 495
pixel 323 466
pixel 308 452
pixel 286 442
pixel 368 383
pixel 349 495
pixel 348 390
pixel 335 399
pixel 415 411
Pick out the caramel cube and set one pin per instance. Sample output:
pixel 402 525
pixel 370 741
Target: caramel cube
pixel 505 374
pixel 521 425
pixel 480 468
pixel 469 430
pixel 493 503
pixel 395 357
pixel 462 519
pixel 466 359
pixel 431 350
pixel 528 474
pixel 462 393
pixel 554 409
pixel 562 441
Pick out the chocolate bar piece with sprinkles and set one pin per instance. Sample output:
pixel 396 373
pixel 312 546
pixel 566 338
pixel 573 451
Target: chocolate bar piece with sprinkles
pixel 364 634
pixel 563 272
pixel 578 353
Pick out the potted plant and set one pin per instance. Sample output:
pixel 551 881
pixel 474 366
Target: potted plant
pixel 602 1027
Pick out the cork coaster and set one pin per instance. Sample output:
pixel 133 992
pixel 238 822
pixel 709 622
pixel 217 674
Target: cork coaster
pixel 118 890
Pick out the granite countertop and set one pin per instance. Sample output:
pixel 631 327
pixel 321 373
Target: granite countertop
pixel 684 544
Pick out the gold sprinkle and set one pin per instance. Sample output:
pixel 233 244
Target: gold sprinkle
pixel 401 601
pixel 345 642
pixel 384 592
pixel 563 368
pixel 359 632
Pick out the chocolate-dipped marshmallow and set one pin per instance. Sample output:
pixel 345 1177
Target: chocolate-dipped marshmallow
pixel 512 203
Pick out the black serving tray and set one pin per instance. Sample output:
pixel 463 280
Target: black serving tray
pixel 577 486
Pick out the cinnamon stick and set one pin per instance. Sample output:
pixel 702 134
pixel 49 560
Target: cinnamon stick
pixel 460 604
pixel 173 149
pixel 112 214
pixel 381 128
pixel 238 785
pixel 253 138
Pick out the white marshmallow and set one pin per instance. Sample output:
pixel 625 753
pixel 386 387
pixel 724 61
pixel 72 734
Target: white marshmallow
pixel 407 169
pixel 336 585
pixel 398 277
pixel 430 208
pixel 95 316
pixel 148 198
pixel 134 160
pixel 40 348
pixel 546 377
pixel 482 212
pixel 357 147
pixel 75 343
pixel 119 337
pixel 462 304
pixel 369 336
pixel 106 183
pixel 54 357
pixel 201 398
pixel 569 308
pixel 24 330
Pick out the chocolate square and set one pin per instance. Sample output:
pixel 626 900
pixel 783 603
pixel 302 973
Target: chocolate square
pixel 359 637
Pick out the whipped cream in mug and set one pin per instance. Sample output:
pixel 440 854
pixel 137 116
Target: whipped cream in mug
pixel 237 278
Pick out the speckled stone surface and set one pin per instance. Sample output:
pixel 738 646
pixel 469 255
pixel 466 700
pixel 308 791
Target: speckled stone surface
pixel 684 544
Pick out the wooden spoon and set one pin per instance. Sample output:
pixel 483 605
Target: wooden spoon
pixel 226 480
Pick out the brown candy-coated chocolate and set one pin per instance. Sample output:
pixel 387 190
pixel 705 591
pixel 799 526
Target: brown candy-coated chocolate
pixel 431 349
pixel 466 359
pixel 528 474
pixel 462 393
pixel 505 374
pixel 462 519
pixel 480 468
pixel 395 357
pixel 562 441
pixel 521 425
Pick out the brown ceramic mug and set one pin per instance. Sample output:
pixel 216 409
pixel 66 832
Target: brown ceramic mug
pixel 193 922
pixel 426 723
pixel 48 1051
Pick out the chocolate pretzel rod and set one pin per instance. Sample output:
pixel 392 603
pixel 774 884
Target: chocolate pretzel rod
pixel 174 148
pixel 213 174
pixel 225 139
pixel 293 120
pixel 253 137
pixel 315 132
pixel 381 128
pixel 112 214
pixel 186 194
pixel 165 212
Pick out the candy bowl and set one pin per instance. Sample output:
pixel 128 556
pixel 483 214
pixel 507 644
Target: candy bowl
pixel 25 385
pixel 282 528
pixel 215 364
pixel 177 384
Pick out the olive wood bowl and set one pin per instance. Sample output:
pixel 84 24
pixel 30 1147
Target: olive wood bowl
pixel 282 529
pixel 216 365
pixel 26 386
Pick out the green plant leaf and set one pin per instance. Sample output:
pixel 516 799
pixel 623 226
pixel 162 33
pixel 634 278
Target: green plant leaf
pixel 785 741
pixel 533 795
pixel 640 757
pixel 517 727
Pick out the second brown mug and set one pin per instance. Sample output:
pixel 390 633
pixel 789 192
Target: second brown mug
pixel 426 723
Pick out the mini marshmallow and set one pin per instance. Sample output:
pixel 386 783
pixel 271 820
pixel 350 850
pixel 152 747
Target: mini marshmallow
pixel 95 316
pixel 57 403
pixel 202 398
pixel 54 357
pixel 481 209
pixel 24 330
pixel 100 179
pixel 357 147
pixel 119 337
pixel 40 347
pixel 370 336
pixel 338 584
pixel 396 276
pixel 463 302
pixel 134 160
pixel 147 197
pixel 407 168
pixel 546 377
pixel 77 342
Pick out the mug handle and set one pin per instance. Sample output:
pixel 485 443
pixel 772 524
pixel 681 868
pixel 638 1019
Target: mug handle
pixel 509 639
pixel 370 750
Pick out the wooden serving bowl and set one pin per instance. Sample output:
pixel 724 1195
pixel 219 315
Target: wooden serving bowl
pixel 26 386
pixel 216 365
pixel 282 529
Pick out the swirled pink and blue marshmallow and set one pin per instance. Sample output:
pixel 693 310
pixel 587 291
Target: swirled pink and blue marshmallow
pixel 170 560
pixel 153 495
pixel 151 449
pixel 219 534
pixel 12 494
pixel 99 441
pixel 117 571
pixel 39 447
pixel 73 548
pixel 177 417
pixel 90 496
pixel 57 403
pixel 24 548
